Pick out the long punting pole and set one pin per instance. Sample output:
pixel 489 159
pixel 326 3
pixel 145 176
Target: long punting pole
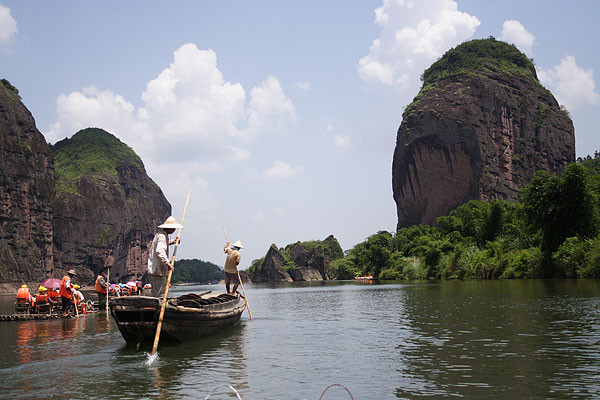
pixel 240 279
pixel 164 303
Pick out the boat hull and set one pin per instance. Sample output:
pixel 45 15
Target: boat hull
pixel 137 316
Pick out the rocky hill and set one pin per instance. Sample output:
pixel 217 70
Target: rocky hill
pixel 106 208
pixel 300 261
pixel 479 128
pixel 26 193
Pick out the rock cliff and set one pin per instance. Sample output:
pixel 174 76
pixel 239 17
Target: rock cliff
pixel 480 127
pixel 300 261
pixel 26 193
pixel 106 208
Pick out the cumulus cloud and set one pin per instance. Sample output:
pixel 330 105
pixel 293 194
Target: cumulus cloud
pixel 270 109
pixel 515 33
pixel 413 34
pixel 189 108
pixel 8 26
pixel 281 170
pixel 572 85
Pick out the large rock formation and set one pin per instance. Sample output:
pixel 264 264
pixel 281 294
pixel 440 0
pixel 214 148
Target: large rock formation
pixel 480 127
pixel 300 261
pixel 106 208
pixel 26 192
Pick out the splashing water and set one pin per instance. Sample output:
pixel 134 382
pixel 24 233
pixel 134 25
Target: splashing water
pixel 150 358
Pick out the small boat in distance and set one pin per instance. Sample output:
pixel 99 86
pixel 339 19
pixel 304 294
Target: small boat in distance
pixel 187 317
pixel 364 278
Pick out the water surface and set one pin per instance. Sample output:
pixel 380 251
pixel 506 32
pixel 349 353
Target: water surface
pixel 501 339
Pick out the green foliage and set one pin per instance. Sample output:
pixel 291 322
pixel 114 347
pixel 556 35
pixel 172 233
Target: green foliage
pixel 551 233
pixel 478 57
pixel 93 152
pixel 8 86
pixel 560 207
pixel 342 269
pixel 196 271
pixel 256 265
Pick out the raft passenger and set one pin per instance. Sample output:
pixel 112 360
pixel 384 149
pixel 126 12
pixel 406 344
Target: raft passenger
pixel 66 292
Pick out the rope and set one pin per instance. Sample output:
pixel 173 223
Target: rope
pixel 336 384
pixel 229 386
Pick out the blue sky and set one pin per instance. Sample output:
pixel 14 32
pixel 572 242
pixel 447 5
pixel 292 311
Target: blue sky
pixel 280 117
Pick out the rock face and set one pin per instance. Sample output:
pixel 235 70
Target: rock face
pixel 301 261
pixel 106 209
pixel 26 192
pixel 480 127
pixel 272 269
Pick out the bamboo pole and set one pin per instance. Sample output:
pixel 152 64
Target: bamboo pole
pixel 164 303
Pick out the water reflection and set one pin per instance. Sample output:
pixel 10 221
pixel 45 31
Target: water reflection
pixel 507 339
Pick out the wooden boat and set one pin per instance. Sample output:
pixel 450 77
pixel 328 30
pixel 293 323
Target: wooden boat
pixel 190 316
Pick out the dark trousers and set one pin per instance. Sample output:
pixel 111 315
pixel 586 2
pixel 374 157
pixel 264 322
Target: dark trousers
pixel 101 301
pixel 66 304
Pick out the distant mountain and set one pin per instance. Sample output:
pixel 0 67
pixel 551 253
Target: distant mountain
pixel 300 261
pixel 196 271
pixel 479 128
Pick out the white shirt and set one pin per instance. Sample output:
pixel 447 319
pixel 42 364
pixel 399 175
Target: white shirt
pixel 158 257
pixel 78 295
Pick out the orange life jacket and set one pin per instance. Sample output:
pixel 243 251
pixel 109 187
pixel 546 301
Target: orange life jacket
pixel 64 291
pixel 42 298
pixel 23 295
pixel 98 287
pixel 53 294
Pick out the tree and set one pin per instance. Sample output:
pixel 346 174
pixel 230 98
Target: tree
pixel 560 207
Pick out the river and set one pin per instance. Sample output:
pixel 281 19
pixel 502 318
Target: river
pixel 473 339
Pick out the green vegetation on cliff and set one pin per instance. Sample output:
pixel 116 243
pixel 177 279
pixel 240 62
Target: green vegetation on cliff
pixel 480 56
pixel 551 233
pixel 90 151
pixel 196 271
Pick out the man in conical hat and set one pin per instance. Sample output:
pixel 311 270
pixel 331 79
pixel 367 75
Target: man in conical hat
pixel 231 263
pixel 158 258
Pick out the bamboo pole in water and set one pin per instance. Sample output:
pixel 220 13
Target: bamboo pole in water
pixel 164 303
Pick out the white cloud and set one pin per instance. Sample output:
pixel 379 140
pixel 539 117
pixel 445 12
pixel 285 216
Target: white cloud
pixel 281 170
pixel 413 34
pixel 270 109
pixel 341 141
pixel 515 33
pixel 8 26
pixel 189 108
pixel 572 85
pixel 302 85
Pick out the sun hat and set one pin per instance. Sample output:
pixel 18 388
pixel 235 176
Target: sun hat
pixel 171 222
pixel 238 244
pixel 71 272
pixel 23 286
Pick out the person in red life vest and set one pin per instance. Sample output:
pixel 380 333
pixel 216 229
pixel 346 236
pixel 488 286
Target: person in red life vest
pixel 42 297
pixel 66 292
pixel 101 288
pixel 23 296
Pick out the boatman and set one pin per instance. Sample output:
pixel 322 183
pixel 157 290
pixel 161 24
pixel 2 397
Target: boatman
pixel 158 258
pixel 231 263
pixel 101 289
pixel 66 291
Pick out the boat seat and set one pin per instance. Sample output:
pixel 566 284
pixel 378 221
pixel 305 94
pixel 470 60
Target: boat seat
pixel 43 308
pixel 23 306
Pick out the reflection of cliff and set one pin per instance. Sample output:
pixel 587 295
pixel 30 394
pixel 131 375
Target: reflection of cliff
pixel 480 127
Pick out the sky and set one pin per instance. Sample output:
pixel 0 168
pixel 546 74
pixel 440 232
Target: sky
pixel 279 117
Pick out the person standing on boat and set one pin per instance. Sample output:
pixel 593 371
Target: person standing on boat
pixel 101 289
pixel 158 258
pixel 231 263
pixel 66 291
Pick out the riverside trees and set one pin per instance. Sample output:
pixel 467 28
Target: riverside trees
pixel 551 233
